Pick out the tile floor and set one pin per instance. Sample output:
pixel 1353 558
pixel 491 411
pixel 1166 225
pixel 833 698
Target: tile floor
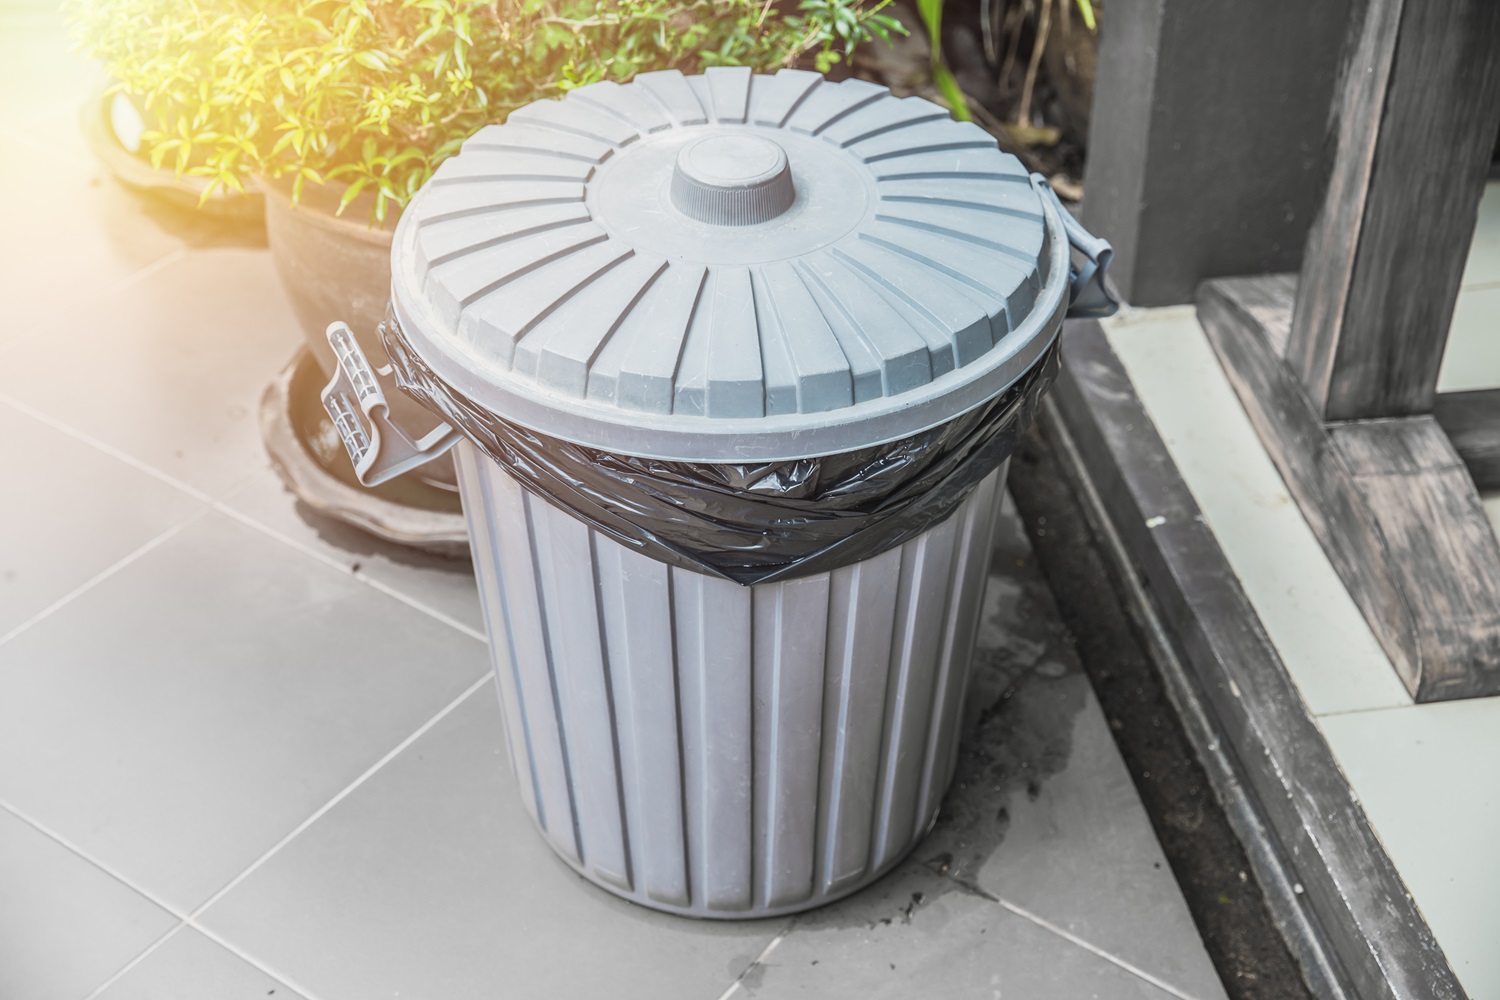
pixel 246 752
pixel 1419 770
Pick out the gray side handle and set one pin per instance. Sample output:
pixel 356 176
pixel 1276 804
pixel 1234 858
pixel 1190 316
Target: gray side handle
pixel 1088 295
pixel 356 403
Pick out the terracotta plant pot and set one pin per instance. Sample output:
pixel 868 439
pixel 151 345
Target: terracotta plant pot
pixel 333 267
pixel 112 124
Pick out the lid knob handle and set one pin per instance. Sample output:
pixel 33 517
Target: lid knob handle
pixel 732 179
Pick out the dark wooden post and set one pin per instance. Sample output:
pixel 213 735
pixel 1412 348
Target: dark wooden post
pixel 1416 113
pixel 1206 141
pixel 1338 371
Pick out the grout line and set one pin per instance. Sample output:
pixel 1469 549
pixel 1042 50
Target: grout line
pixel 190 920
pixel 134 277
pixel 1340 712
pixel 482 681
pixel 183 919
pixel 759 959
pixel 221 507
pixel 100 577
pixel 108 449
pixel 150 950
pixel 343 567
pixel 251 960
pixel 86 856
pixel 1093 949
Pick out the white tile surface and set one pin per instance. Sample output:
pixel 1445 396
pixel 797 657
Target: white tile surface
pixel 431 881
pixel 956 945
pixel 1080 855
pixel 1042 816
pixel 1061 831
pixel 55 262
pixel 64 924
pixel 69 512
pixel 1484 252
pixel 1321 634
pixel 1425 776
pixel 443 585
pixel 169 370
pixel 181 717
pixel 189 966
pixel 1472 358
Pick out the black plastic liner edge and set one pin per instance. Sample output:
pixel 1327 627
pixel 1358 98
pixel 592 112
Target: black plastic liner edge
pixel 748 523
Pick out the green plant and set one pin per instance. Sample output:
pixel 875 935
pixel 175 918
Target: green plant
pixel 374 94
pixel 931 12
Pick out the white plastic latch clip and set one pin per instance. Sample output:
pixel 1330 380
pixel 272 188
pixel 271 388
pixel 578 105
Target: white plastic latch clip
pixel 379 448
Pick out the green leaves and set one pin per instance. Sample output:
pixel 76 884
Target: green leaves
pixel 931 12
pixel 371 59
pixel 834 27
pixel 374 94
pixel 1087 10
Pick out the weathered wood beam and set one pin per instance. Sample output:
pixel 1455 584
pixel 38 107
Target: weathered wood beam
pixel 1472 421
pixel 1415 117
pixel 1390 501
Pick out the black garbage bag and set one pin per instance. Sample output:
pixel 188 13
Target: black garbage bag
pixel 749 523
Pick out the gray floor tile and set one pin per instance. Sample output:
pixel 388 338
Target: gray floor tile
pixel 171 369
pixel 1077 848
pixel 55 131
pixel 951 945
pixel 69 512
pixel 444 585
pixel 192 967
pixel 468 896
pixel 1423 778
pixel 65 926
pixel 39 68
pixel 1051 821
pixel 430 881
pixel 43 80
pixel 1042 815
pixel 180 717
pixel 74 236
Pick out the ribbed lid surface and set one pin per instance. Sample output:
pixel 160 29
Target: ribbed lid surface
pixel 729 266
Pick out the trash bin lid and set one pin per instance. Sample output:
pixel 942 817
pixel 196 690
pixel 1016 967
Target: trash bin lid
pixel 730 267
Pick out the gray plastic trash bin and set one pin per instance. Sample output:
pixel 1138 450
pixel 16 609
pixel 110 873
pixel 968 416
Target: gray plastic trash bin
pixel 724 268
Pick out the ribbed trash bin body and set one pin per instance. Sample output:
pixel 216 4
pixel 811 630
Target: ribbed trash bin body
pixel 719 750
pixel 743 326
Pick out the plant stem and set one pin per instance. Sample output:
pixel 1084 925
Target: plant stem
pixel 1044 26
pixel 1011 28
